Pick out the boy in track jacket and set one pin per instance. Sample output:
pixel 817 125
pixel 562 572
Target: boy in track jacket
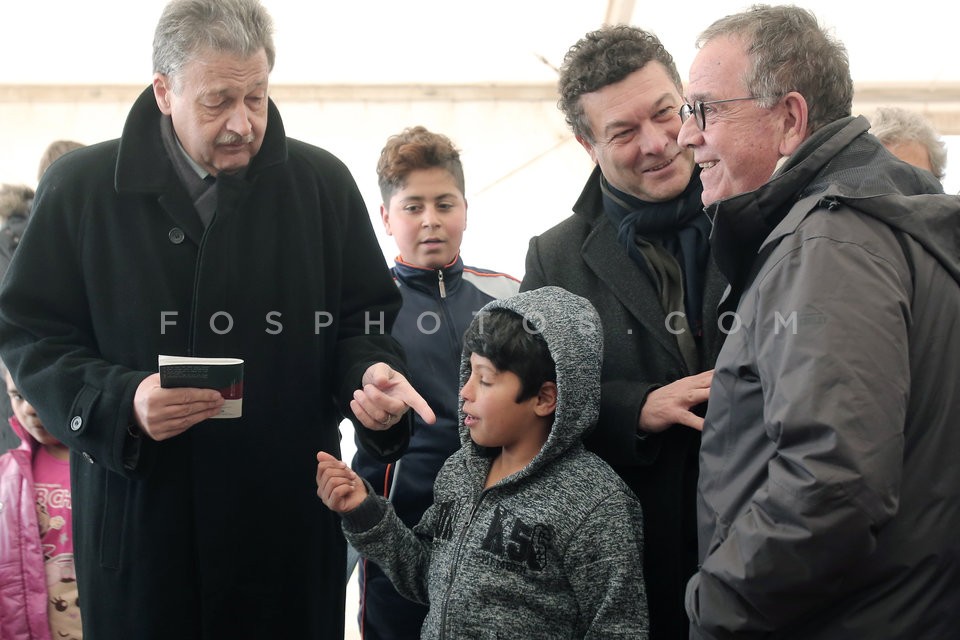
pixel 529 535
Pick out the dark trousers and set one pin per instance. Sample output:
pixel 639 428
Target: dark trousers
pixel 384 613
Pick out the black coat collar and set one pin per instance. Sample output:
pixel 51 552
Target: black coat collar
pixel 143 165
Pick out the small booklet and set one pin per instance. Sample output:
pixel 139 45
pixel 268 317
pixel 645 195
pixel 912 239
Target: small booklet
pixel 223 374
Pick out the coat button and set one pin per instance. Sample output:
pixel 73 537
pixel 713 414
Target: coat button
pixel 88 457
pixel 76 423
pixel 176 235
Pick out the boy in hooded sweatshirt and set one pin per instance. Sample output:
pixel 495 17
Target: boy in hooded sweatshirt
pixel 425 210
pixel 529 535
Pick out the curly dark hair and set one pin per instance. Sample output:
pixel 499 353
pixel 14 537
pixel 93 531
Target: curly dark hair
pixel 413 149
pixel 603 57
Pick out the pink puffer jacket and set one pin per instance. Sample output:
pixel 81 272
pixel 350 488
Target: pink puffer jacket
pixel 23 584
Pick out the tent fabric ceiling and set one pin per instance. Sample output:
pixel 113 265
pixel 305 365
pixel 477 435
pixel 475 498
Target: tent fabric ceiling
pixel 437 41
pixel 498 49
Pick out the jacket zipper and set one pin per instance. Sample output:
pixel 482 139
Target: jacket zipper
pixel 456 563
pixel 443 287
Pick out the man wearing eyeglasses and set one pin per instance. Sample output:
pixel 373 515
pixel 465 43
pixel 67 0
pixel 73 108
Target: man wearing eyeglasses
pixel 637 247
pixel 829 496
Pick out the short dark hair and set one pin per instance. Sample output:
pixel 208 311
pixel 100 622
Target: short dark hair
pixel 514 345
pixel 603 57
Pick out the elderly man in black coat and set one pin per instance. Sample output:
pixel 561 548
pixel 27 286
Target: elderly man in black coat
pixel 205 231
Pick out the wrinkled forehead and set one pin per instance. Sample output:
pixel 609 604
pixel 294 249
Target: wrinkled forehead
pixel 719 70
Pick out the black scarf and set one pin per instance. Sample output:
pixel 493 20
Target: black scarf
pixel 679 226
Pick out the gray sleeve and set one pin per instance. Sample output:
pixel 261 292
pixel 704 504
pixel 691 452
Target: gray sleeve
pixel 402 554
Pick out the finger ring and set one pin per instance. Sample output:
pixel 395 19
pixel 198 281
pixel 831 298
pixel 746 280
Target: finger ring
pixel 387 419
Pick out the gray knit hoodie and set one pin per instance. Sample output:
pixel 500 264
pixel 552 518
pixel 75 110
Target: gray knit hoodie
pixel 552 551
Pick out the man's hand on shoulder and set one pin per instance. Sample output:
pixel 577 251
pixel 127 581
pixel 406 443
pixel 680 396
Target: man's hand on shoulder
pixel 671 404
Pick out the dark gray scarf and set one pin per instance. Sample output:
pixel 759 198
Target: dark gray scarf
pixel 669 241
pixel 203 191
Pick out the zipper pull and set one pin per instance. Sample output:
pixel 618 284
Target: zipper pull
pixel 443 288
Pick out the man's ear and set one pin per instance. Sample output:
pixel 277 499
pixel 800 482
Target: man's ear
pixel 588 146
pixel 162 91
pixel 546 399
pixel 795 123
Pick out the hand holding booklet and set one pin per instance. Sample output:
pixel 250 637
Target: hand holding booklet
pixel 223 374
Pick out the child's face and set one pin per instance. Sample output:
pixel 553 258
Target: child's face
pixel 27 416
pixel 427 218
pixel 492 413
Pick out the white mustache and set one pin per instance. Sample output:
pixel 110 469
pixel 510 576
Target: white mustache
pixel 234 138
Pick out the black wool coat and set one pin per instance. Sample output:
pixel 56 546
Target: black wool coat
pixel 218 532
pixel 582 254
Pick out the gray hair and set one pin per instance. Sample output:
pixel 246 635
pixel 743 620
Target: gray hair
pixel 893 125
pixel 189 27
pixel 603 57
pixel 790 51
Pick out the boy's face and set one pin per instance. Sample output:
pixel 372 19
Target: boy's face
pixel 26 415
pixel 492 413
pixel 427 218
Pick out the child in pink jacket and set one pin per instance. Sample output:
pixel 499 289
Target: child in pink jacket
pixel 38 587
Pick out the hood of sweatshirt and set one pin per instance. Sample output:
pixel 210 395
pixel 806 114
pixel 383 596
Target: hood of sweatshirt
pixel 571 328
